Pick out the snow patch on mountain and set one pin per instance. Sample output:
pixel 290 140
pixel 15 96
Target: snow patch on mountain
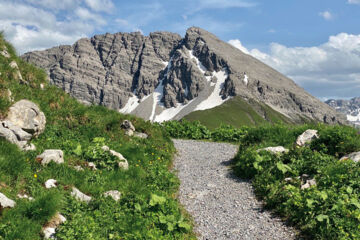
pixel 131 105
pixel 201 67
pixel 215 99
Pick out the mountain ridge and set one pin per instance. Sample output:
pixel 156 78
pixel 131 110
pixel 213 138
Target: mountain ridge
pixel 163 76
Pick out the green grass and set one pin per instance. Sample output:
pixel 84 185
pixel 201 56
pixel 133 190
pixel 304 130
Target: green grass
pixel 329 210
pixel 237 112
pixel 73 127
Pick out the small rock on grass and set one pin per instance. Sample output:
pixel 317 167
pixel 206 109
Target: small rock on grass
pixel 80 196
pixel 6 202
pixel 51 155
pixel 25 196
pixel 307 137
pixel 51 183
pixel 114 194
pixel 49 229
pixel 355 156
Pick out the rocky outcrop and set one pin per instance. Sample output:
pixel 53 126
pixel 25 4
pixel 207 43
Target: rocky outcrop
pixel 306 137
pixel 23 122
pixel 51 155
pixel 27 115
pixel 122 70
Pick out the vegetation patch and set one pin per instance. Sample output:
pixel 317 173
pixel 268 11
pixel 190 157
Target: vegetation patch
pixel 147 208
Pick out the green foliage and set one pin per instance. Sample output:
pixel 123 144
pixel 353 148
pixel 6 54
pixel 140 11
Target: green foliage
pixel 328 210
pixel 195 130
pixel 81 131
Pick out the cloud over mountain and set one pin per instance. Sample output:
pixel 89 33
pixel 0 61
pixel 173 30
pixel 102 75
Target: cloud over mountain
pixel 331 69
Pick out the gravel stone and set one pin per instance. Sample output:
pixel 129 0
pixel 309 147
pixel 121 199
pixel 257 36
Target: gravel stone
pixel 222 205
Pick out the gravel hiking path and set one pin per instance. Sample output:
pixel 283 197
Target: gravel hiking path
pixel 222 205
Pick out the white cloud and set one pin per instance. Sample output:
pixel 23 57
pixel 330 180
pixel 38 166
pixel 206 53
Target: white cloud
pixel 30 27
pixel 85 14
pixel 330 69
pixel 200 5
pixel 354 1
pixel 326 15
pixel 100 5
pixel 236 43
pixel 55 5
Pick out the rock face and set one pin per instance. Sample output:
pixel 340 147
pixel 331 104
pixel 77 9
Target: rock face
pixel 306 137
pixel 350 108
pixel 163 76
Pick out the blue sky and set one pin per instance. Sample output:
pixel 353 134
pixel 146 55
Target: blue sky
pixel 315 42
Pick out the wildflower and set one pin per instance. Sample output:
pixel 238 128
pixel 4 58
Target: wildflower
pixel 158 158
pixel 152 153
pixel 35 175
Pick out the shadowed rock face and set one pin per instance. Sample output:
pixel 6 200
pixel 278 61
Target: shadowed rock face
pixel 107 69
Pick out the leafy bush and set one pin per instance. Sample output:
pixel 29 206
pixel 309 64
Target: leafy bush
pixel 329 210
pixel 195 130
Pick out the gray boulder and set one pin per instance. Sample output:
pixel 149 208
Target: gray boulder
pixel 128 127
pixel 51 155
pixel 27 115
pixel 6 202
pixel 355 156
pixel 307 137
pixel 16 135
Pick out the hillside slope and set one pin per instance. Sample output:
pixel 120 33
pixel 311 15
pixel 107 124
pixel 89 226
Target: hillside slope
pixel 163 76
pixel 146 209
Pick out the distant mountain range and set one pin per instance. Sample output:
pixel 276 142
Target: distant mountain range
pixel 351 108
pixel 164 76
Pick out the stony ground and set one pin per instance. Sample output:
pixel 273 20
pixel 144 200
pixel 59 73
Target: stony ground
pixel 223 206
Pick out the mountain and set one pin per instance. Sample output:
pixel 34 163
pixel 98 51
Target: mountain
pixel 164 76
pixel 351 108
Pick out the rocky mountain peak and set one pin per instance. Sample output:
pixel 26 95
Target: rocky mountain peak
pixel 163 76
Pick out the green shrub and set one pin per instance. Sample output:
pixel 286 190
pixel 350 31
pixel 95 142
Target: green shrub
pixel 329 210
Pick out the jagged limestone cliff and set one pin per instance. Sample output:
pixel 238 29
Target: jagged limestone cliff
pixel 163 76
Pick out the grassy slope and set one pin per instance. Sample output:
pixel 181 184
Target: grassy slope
pixel 237 112
pixel 140 214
